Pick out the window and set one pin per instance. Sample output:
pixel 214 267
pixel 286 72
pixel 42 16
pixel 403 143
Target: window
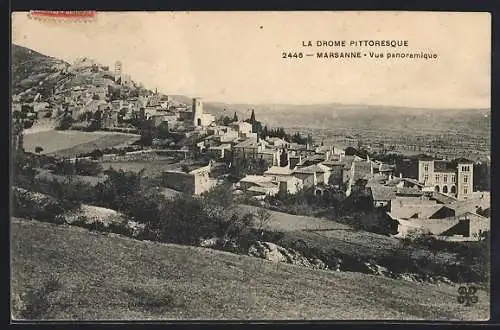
pixel 453 179
pixel 465 191
pixel 465 179
pixel 426 178
pixel 445 178
pixel 426 167
pixel 437 177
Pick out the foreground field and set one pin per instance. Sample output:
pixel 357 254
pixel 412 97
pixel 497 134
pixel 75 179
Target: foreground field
pixel 71 143
pixel 112 277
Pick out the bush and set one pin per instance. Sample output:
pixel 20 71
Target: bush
pixel 26 204
pixel 184 221
pixel 65 123
pixel 85 167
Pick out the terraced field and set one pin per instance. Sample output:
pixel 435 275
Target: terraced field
pixel 71 143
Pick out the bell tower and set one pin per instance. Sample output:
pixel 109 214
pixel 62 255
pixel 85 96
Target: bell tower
pixel 197 109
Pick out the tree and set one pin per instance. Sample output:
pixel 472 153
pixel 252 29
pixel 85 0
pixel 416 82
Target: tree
pixel 85 167
pixel 309 139
pixel 297 138
pixel 265 132
pixel 65 122
pixel 235 117
pixel 226 121
pixel 263 218
pixel 350 151
pixel 96 154
pixel 38 149
pixel 283 158
pixel 147 133
pixel 252 117
pixel 162 131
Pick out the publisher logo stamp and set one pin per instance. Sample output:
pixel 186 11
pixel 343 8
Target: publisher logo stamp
pixel 467 295
pixel 63 15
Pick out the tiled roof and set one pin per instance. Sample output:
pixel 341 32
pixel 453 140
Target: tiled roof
pixel 409 191
pixel 263 190
pixel 393 182
pixel 248 143
pixel 442 198
pixel 255 179
pixel 362 169
pixel 296 146
pixel 464 161
pixel 385 167
pixel 323 149
pixel 413 181
pixel 382 193
pixel 310 169
pixel 418 211
pixel 279 170
pixel 425 157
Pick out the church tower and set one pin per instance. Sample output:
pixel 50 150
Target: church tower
pixel 197 109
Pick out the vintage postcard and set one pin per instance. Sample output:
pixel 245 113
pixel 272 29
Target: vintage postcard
pixel 250 166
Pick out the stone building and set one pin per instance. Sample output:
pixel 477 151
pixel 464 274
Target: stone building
pixel 454 178
pixel 193 181
pixel 199 117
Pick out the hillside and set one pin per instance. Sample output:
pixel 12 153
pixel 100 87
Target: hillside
pixel 29 68
pixel 103 276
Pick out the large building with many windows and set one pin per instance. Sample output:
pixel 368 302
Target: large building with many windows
pixel 452 178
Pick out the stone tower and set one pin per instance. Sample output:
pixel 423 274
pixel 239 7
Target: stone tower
pixel 197 109
pixel 426 171
pixel 465 174
pixel 118 70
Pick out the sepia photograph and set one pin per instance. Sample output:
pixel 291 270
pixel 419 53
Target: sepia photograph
pixel 254 166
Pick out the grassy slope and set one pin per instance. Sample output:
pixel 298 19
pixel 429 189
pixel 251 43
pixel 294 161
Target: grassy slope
pixel 112 277
pixel 288 222
pixel 332 237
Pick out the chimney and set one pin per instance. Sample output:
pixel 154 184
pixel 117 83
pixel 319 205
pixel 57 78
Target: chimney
pixel 367 158
pixel 371 168
pixel 400 175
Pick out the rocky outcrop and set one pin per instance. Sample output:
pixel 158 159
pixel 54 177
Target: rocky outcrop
pixel 275 253
pixel 33 205
pixel 102 218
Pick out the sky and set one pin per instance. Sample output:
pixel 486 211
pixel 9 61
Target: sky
pixel 235 57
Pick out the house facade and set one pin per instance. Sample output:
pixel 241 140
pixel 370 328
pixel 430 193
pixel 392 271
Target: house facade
pixel 454 178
